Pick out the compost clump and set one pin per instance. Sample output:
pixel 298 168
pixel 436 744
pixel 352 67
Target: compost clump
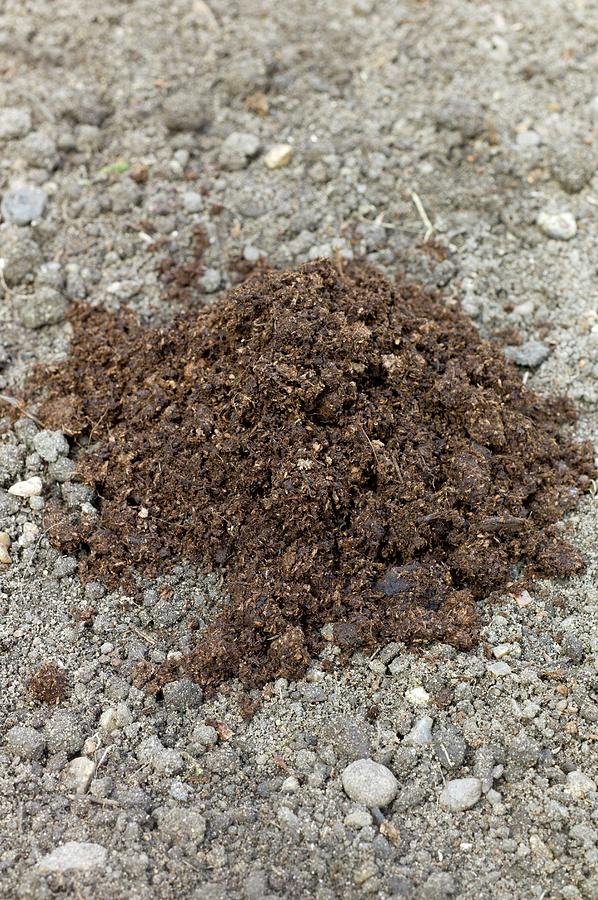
pixel 349 450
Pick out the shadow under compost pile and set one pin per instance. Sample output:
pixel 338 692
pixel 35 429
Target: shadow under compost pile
pixel 349 450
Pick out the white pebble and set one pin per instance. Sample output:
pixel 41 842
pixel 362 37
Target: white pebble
pixel 499 669
pixel 278 156
pixel 369 782
pixel 29 535
pixel 4 556
pixel 290 785
pixel 421 733
pixel 32 487
pixel 417 696
pixel 579 785
pixel 560 226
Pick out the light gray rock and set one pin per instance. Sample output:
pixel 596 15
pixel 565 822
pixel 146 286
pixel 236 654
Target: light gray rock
pixel 211 280
pixel 46 307
pixel 531 354
pixel 449 746
pixel 115 718
pixel 21 205
pixel 461 793
pixel 153 753
pixel 580 785
pixel 192 202
pixel 79 855
pixel 186 111
pixel 238 150
pixel 39 149
pixel 572 647
pixel 50 445
pixel 15 122
pixel 11 462
pixel 78 774
pixel 560 226
pixel 573 167
pixel 63 732
pixel 369 782
pixel 21 255
pixel 182 825
pixel 26 742
pixel 202 737
pixel 421 733
pixel 62 470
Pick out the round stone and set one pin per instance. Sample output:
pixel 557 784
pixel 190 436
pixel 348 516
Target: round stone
pixel 21 205
pixel 560 226
pixel 461 793
pixel 370 783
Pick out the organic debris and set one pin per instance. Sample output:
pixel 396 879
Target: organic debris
pixel 349 450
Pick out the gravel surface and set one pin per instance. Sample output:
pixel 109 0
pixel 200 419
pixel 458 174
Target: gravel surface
pixel 292 132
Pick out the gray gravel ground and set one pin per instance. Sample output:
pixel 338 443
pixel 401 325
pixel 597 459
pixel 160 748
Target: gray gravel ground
pixel 487 762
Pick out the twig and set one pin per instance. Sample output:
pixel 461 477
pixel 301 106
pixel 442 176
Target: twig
pixel 430 229
pixel 371 446
pixel 13 402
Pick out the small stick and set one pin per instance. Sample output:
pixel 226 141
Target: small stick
pixel 12 402
pixel 423 216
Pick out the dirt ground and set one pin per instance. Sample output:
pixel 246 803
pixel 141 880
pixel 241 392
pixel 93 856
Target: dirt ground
pixel 451 142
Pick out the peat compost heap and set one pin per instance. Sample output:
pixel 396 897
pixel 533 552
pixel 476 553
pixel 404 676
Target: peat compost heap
pixel 349 450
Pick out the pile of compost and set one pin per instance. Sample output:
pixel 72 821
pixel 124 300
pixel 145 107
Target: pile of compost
pixel 348 450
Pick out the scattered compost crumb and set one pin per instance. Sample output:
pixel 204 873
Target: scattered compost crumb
pixel 349 450
pixel 48 684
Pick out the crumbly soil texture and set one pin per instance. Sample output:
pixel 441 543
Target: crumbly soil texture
pixel 349 449
pixel 448 145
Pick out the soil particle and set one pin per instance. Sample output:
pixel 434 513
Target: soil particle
pixel 349 450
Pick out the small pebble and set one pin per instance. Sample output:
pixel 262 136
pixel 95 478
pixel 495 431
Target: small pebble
pixel 359 818
pixel 186 111
pixel 192 201
pixel 560 226
pixel 78 774
pixel 531 354
pixel 417 696
pixel 211 280
pixel 501 650
pixel 580 785
pixel 290 785
pixel 461 794
pixel 370 783
pixel 50 445
pixel 498 669
pixel 421 733
pixel 74 855
pixel 21 205
pixel 237 150
pixel 278 156
pixel 32 487
pixel 115 718
pixel 46 307
pixel 26 742
pixel 15 122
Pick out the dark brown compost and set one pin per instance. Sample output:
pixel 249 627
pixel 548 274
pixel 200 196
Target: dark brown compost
pixel 350 451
